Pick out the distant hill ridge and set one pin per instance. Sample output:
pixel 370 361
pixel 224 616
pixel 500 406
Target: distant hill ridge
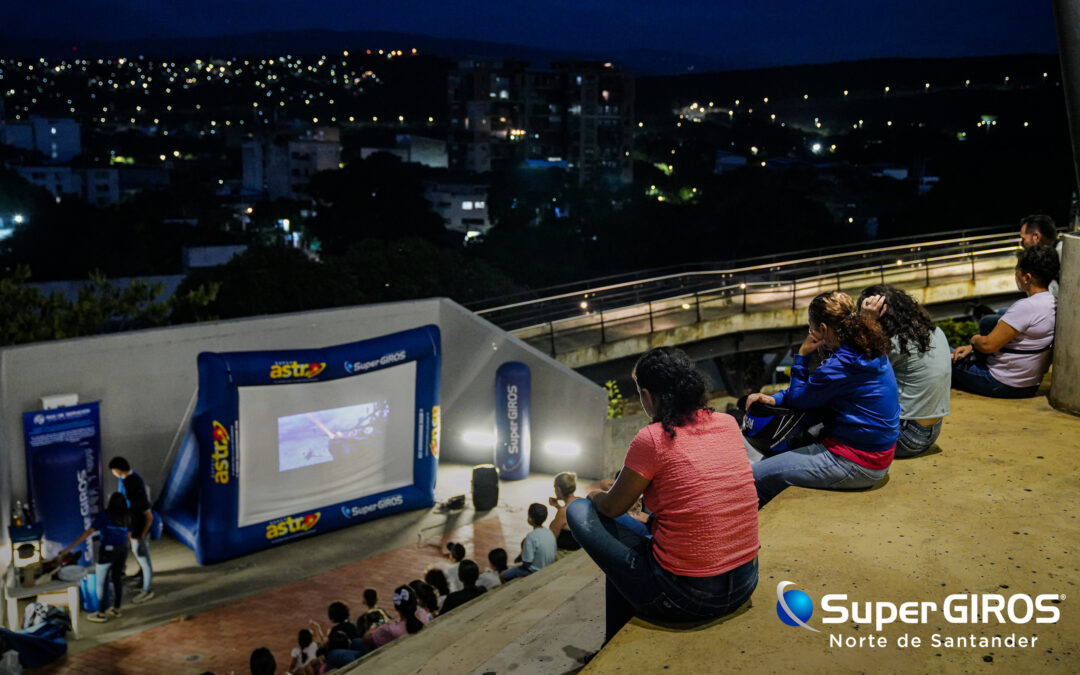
pixel 644 62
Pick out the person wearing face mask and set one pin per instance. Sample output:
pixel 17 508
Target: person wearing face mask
pixel 853 391
pixel 1011 360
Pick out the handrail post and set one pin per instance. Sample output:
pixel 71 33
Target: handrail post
pixel 551 333
pixel 926 268
pixel 651 328
pixel 745 290
pixel 972 256
pixel 603 337
pixel 794 292
pixel 697 305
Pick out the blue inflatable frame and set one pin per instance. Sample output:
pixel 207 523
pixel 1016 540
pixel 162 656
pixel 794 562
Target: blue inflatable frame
pixel 199 503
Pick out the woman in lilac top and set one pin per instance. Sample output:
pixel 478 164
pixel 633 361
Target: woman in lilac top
pixel 1011 360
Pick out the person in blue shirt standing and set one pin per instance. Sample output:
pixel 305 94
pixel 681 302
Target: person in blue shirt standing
pixel 112 524
pixel 854 390
pixel 142 518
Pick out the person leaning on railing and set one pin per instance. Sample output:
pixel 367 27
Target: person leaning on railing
pixel 921 361
pixel 1010 361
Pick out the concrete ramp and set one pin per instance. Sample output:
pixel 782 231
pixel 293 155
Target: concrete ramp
pixel 992 511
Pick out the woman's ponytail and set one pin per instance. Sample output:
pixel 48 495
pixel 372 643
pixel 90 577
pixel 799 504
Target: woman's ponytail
pixel 838 311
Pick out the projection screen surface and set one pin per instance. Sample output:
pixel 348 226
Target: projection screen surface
pixel 304 446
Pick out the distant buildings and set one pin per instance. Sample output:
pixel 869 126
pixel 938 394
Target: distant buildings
pixel 59 139
pixel 578 115
pixel 462 206
pixel 98 186
pixel 280 165
pixel 430 152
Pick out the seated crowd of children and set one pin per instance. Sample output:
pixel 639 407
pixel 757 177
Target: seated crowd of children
pixel 415 604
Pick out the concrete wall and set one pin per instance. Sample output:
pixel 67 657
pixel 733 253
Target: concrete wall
pixel 1065 390
pixel 146 382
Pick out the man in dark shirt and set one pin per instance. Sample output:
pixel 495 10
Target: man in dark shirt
pixel 134 489
pixel 468 572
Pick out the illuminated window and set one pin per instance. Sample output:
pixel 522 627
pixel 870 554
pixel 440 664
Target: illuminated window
pixel 466 206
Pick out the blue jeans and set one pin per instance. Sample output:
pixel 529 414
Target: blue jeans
pixel 987 323
pixel 339 658
pixel 142 556
pixel 972 374
pixel 638 585
pixel 811 466
pixel 110 568
pixel 517 571
pixel 916 438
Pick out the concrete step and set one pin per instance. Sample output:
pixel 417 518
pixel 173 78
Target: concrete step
pixel 543 623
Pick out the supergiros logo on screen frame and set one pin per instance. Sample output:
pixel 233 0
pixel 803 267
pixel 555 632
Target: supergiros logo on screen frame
pixel 220 459
pixel 283 370
pixel 291 525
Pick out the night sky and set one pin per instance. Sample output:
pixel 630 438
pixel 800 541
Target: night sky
pixel 737 33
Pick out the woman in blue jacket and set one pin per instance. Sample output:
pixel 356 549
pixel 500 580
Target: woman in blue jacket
pixel 853 391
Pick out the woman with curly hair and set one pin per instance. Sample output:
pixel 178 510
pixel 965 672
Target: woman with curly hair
pixel 1010 362
pixel 921 361
pixel 853 389
pixel 700 561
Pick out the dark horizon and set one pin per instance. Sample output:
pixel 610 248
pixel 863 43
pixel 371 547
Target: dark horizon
pixel 720 37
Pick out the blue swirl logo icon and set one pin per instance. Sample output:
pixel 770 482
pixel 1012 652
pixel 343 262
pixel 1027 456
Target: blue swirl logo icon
pixel 794 607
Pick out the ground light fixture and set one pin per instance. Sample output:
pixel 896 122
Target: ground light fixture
pixel 564 448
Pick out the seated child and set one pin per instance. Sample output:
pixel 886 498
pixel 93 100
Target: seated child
pixel 538 549
pixel 490 578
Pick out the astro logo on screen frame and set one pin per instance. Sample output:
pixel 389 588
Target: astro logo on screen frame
pixel 220 457
pixel 284 370
pixel 290 525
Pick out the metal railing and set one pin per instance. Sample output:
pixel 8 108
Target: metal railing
pixel 600 313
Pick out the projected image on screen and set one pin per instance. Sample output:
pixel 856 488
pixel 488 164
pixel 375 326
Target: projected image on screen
pixel 323 435
pixel 304 446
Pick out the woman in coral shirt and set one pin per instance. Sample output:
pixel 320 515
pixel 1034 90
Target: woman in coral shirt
pixel 700 562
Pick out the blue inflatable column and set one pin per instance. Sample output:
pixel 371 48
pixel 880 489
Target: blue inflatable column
pixel 512 438
pixel 62 498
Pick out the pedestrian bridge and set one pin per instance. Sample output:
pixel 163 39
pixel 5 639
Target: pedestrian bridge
pixel 756 305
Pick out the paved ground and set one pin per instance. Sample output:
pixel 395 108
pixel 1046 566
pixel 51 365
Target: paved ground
pixel 211 618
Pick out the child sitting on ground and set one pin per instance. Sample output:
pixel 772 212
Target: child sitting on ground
pixel 490 578
pixel 469 573
pixel 455 552
pixel 305 653
pixel 437 580
pixel 538 549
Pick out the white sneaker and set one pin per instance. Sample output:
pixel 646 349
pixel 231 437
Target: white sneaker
pixel 142 596
pixel 98 617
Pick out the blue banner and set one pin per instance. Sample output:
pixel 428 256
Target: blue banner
pixel 63 469
pixel 512 437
